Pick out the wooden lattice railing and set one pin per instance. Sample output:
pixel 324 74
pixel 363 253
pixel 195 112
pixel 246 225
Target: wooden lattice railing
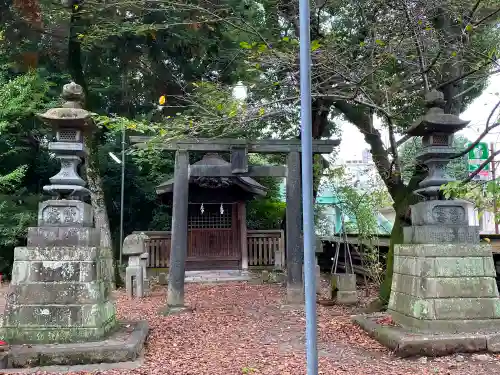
pixel 265 248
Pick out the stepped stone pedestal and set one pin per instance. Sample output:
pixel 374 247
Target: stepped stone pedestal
pixel 444 298
pixel 444 288
pixel 448 285
pixel 61 282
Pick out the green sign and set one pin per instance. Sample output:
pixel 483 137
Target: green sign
pixel 477 156
pixel 480 151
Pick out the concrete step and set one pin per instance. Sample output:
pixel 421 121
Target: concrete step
pixel 216 276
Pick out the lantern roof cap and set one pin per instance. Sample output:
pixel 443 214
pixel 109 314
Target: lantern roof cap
pixel 435 120
pixel 71 114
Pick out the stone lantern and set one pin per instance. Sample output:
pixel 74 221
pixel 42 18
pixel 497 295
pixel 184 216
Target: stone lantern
pixel 63 277
pixel 69 123
pixel 443 278
pixel 436 220
pixel 436 129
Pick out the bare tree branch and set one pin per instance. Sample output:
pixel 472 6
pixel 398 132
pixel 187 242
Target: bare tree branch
pixel 486 17
pixel 486 130
pixel 481 166
pixel 418 47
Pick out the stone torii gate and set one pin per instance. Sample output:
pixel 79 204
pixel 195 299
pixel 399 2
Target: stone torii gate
pixel 239 150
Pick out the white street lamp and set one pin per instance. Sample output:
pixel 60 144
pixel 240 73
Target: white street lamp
pixel 122 192
pixel 114 157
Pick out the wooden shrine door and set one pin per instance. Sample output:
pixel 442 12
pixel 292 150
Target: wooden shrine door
pixel 213 237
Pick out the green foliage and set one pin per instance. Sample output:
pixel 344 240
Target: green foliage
pixel 265 214
pixel 359 214
pixel 23 163
pixel 485 195
pixel 21 98
pixel 268 212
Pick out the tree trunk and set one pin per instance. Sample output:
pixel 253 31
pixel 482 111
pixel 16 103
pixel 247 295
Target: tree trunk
pixel 95 186
pixel 91 141
pixel 403 198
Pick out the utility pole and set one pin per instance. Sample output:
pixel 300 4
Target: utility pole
pixel 493 177
pixel 122 193
pixel 307 191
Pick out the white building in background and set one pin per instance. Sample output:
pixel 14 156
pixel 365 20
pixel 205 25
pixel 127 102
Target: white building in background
pixel 361 172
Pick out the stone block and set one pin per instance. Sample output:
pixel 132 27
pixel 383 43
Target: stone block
pixel 439 287
pixel 434 326
pixel 440 212
pixel 90 271
pixel 54 271
pixel 62 253
pixel 134 273
pixel 347 298
pixel 434 234
pixel 51 315
pixel 143 260
pixel 442 266
pixel 343 287
pixel 71 148
pixel 58 293
pixel 443 250
pixel 280 277
pixel 421 267
pixel 344 282
pixel 458 267
pixel 134 244
pixel 317 274
pixel 21 316
pixel 489 267
pixel 407 343
pixel 411 306
pixel 121 346
pixel 295 294
pixel 318 245
pixel 493 342
pixel 467 308
pixel 63 236
pixel 65 213
pixel 264 276
pixel 61 335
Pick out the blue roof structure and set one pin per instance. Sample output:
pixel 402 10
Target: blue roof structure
pixel 326 196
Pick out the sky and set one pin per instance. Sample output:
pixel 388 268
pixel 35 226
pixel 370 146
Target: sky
pixel 477 113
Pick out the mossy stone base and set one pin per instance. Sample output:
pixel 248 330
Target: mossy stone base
pixel 405 343
pixel 124 344
pixel 59 335
pixel 59 294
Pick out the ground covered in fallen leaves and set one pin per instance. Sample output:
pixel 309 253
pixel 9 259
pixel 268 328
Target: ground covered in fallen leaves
pixel 242 328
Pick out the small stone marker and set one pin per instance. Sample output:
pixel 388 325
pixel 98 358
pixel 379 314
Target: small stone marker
pixel 265 276
pixel 135 273
pixel 344 289
pixel 163 278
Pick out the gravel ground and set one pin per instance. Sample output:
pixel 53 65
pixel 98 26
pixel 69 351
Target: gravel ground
pixel 241 328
